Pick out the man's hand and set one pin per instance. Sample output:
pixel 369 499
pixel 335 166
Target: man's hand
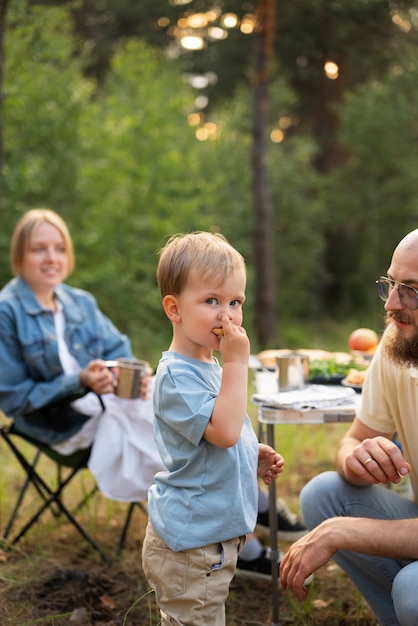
pixel 304 557
pixel 377 460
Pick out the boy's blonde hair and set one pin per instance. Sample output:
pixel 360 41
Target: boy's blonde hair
pixel 24 229
pixel 209 254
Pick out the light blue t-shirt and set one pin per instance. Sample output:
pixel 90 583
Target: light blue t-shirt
pixel 208 494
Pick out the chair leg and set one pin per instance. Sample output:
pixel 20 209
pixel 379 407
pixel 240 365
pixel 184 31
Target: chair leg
pixel 126 525
pixel 49 497
pixel 19 500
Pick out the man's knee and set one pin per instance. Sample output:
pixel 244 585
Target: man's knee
pixel 404 592
pixel 318 498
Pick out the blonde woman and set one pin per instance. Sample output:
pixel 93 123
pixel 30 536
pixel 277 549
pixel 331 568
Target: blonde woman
pixel 54 344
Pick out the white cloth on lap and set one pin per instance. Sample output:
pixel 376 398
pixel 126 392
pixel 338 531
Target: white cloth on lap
pixel 124 457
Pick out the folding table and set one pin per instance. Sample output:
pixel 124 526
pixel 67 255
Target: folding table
pixel 268 417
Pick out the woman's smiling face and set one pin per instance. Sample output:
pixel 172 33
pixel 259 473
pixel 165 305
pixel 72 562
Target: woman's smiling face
pixel 45 261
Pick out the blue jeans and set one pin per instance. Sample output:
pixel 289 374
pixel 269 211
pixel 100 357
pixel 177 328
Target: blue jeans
pixel 389 586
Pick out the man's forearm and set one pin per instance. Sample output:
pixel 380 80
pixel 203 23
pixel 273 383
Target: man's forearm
pixel 395 539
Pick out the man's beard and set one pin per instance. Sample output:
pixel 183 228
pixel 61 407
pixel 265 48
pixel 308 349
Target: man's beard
pixel 398 349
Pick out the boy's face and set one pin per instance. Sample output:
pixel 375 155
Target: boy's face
pixel 200 308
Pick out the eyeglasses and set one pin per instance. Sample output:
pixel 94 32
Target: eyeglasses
pixel 407 295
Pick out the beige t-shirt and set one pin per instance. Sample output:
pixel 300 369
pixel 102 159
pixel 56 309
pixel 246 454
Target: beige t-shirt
pixel 389 404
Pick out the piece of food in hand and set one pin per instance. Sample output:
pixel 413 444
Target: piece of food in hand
pixel 218 332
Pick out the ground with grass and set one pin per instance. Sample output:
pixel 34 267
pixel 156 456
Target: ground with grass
pixel 60 582
pixel 52 577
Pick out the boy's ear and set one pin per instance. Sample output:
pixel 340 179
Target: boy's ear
pixel 171 308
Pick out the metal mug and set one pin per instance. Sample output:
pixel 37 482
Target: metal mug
pixel 293 371
pixel 130 373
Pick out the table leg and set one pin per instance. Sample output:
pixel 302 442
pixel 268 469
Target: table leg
pixel 273 538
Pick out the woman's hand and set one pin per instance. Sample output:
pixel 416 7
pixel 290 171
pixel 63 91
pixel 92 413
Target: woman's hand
pixel 98 377
pixel 145 384
pixel 101 378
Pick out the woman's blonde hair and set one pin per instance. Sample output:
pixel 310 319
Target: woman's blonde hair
pixel 24 229
pixel 209 254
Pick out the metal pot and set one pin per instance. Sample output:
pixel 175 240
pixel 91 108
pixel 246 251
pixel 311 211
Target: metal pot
pixel 293 371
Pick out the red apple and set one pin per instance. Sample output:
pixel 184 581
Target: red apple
pixel 363 340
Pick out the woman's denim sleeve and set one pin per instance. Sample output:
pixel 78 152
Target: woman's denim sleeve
pixel 21 386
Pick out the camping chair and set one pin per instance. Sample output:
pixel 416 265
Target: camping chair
pixel 51 497
pixel 65 468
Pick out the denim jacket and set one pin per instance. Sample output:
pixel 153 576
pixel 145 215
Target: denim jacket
pixel 31 374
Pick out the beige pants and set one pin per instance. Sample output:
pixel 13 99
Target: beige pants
pixel 191 586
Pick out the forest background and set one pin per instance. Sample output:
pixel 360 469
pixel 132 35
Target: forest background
pixel 110 120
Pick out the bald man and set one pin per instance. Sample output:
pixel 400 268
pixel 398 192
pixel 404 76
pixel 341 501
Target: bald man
pixel 369 530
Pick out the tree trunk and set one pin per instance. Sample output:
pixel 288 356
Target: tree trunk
pixel 265 282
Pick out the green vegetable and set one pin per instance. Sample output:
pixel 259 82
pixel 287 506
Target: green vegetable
pixel 330 368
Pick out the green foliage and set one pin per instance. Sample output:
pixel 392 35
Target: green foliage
pixel 297 206
pixel 299 219
pixel 121 163
pixel 44 94
pixel 373 196
pixel 140 180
